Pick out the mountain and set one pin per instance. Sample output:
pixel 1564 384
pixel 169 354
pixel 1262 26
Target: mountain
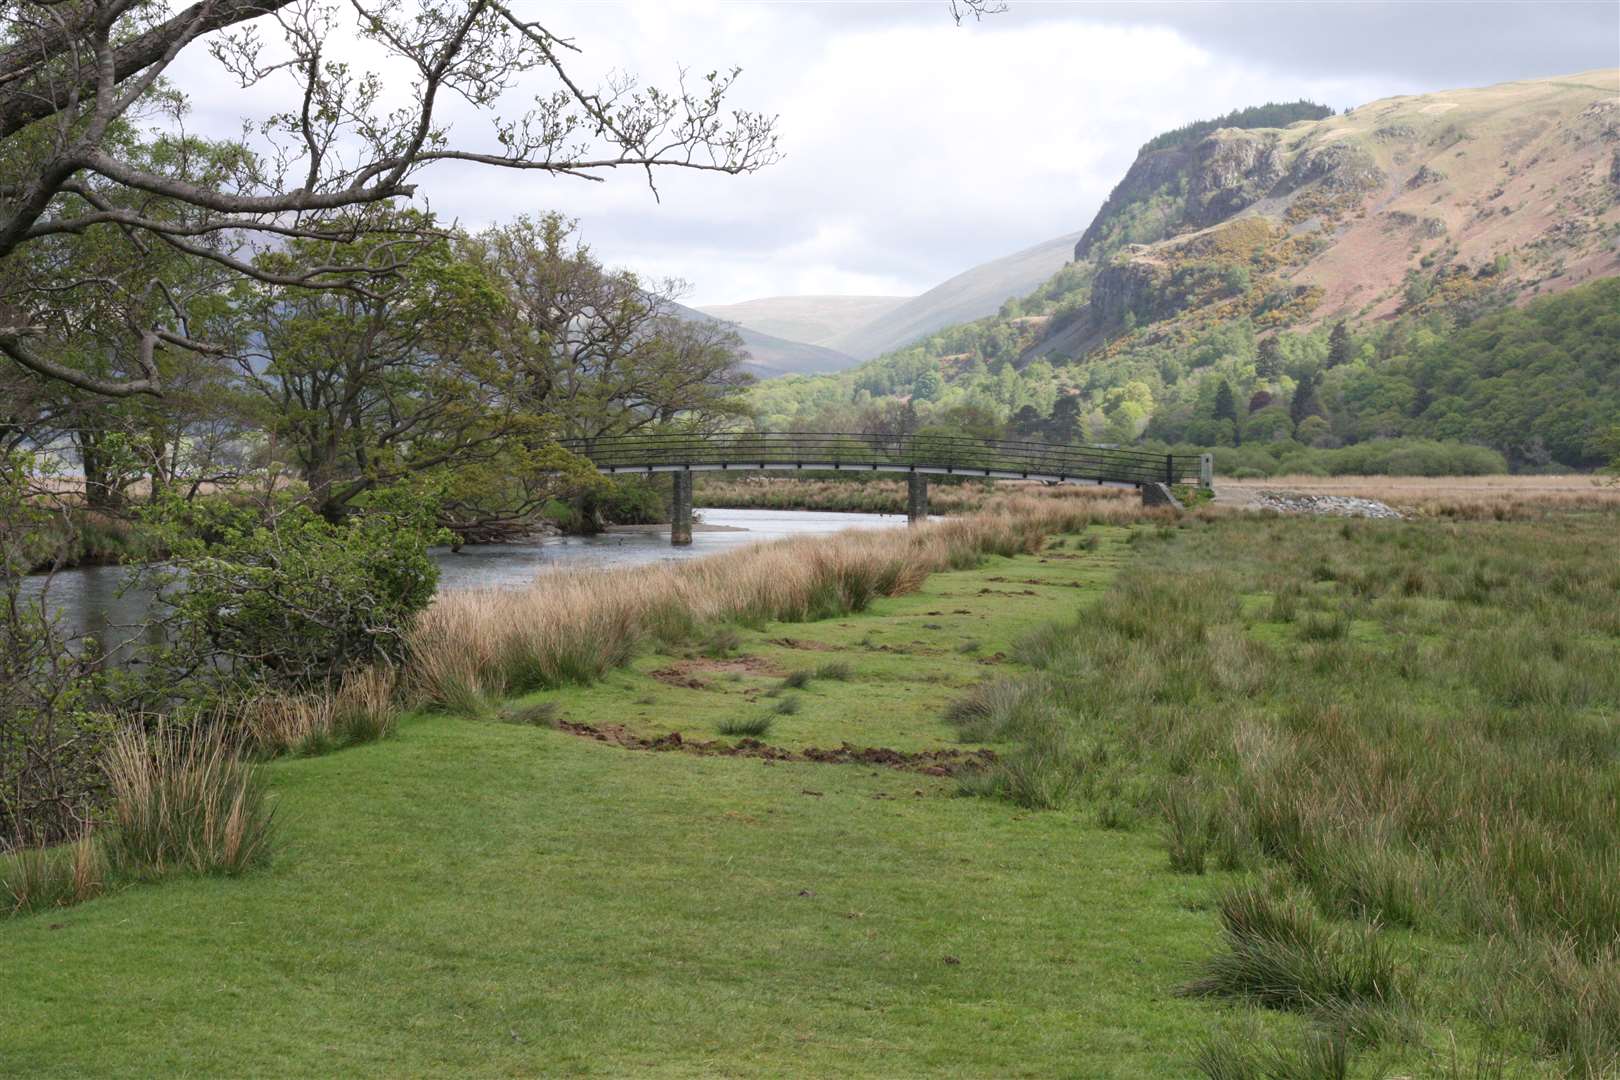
pixel 1362 216
pixel 1279 281
pixel 969 295
pixel 814 320
pixel 770 357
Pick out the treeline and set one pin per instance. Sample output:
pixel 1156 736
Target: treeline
pixel 1272 114
pixel 1522 388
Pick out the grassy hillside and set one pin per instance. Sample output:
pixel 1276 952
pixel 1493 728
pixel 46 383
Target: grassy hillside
pixel 1347 255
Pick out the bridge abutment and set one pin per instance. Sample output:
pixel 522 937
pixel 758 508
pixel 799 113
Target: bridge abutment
pixel 916 498
pixel 680 509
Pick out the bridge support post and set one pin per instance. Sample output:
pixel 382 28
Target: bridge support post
pixel 1206 471
pixel 680 509
pixel 916 498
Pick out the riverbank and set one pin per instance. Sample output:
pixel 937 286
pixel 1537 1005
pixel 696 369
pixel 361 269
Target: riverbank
pixel 486 896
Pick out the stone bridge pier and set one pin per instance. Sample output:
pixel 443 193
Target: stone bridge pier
pixel 916 498
pixel 680 508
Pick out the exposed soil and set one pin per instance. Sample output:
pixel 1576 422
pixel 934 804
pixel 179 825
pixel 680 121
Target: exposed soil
pixel 800 643
pixel 690 673
pixel 945 762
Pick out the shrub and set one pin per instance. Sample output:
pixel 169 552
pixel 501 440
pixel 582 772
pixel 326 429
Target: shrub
pixel 289 601
pixel 52 706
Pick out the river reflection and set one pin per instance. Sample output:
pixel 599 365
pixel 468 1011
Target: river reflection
pixel 89 601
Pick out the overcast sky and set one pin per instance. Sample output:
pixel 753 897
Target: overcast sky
pixel 914 149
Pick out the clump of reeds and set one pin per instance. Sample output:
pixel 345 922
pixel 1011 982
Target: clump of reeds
pixel 185 799
pixel 752 726
pixel 362 709
pixel 1279 952
pixel 33 879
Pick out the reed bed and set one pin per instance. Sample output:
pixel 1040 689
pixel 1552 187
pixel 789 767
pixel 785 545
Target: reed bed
pixel 880 496
pixel 472 647
pixel 1465 498
pixel 865 496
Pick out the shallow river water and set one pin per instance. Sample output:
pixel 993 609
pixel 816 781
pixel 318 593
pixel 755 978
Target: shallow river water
pixel 88 600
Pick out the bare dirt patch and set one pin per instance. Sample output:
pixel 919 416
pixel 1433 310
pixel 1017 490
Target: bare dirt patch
pixel 800 643
pixel 697 674
pixel 945 762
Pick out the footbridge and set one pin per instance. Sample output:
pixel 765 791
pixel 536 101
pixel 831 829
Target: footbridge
pixel 917 456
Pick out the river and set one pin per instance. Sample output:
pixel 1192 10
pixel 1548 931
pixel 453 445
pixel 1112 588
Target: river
pixel 88 600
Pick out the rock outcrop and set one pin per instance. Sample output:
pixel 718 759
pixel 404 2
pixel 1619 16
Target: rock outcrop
pixel 1233 170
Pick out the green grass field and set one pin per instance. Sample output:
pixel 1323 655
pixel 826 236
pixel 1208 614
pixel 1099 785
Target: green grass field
pixel 498 897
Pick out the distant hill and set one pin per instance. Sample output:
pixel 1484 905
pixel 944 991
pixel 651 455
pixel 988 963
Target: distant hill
pixel 971 294
pixel 770 357
pixel 814 320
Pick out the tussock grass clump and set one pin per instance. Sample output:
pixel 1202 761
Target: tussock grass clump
pixel 720 645
pixel 1280 953
pixel 836 671
pixel 1188 829
pixel 35 879
pixel 540 714
pixel 797 680
pixel 787 706
pixel 185 800
pixel 996 710
pixel 361 710
pixel 1320 1054
pixel 751 726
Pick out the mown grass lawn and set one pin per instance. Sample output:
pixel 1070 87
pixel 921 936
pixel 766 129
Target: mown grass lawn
pixel 496 899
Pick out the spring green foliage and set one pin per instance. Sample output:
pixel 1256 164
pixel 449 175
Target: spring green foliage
pixel 283 598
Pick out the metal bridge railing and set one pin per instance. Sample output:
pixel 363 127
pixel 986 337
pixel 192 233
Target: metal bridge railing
pixel 953 454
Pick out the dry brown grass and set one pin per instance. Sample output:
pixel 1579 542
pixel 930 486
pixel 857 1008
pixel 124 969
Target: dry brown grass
pixel 572 626
pixel 872 495
pixel 184 800
pixel 362 709
pixel 1503 498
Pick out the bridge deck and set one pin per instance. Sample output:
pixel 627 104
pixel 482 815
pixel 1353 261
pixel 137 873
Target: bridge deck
pixel 928 454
